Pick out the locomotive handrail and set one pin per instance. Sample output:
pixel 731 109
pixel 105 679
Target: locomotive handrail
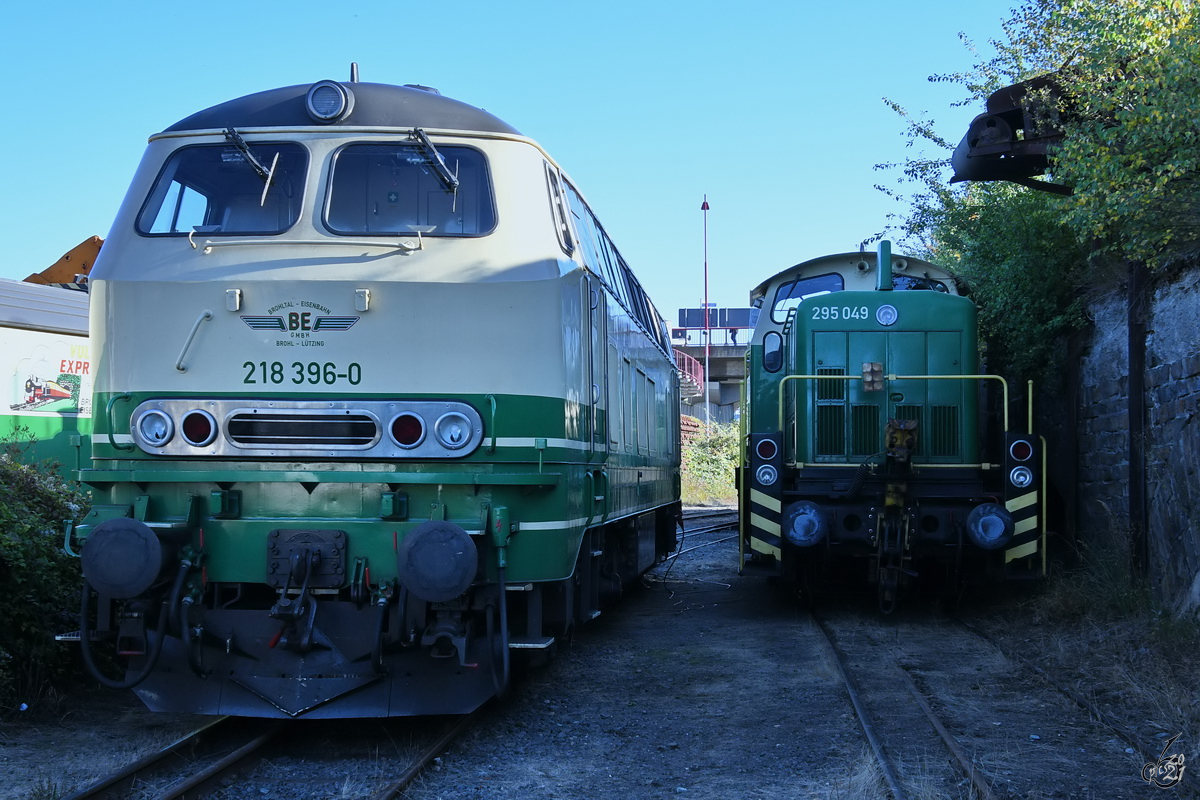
pixel 1003 384
pixel 491 398
pixel 204 315
pixel 404 244
pixel 590 494
pixel 108 417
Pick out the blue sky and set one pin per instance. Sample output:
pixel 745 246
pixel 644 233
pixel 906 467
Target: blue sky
pixel 772 109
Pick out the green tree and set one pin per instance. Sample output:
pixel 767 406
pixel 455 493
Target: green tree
pixel 1126 95
pixel 1128 110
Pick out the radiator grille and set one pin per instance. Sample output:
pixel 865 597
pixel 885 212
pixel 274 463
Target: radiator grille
pixel 831 390
pixel 942 435
pixel 831 430
pixel 865 433
pixel 276 429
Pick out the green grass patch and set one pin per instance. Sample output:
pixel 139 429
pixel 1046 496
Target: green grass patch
pixel 710 458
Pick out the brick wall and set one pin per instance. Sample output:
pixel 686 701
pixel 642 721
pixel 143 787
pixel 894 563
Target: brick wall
pixel 688 427
pixel 1172 436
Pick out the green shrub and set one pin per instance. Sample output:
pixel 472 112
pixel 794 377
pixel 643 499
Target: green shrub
pixel 40 582
pixel 709 460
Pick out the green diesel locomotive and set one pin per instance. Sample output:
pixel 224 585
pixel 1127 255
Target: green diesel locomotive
pixel 870 438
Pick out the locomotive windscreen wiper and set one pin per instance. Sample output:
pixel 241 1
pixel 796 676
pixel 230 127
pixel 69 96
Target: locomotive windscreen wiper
pixel 263 172
pixel 436 162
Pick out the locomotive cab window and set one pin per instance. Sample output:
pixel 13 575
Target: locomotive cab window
pixel 917 282
pixel 218 189
pixel 789 295
pixel 390 189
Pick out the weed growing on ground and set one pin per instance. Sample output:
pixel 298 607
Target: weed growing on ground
pixel 46 789
pixel 1097 628
pixel 709 459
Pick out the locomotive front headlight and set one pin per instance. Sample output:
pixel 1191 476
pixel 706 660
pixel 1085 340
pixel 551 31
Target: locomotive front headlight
pixel 1021 477
pixel 155 428
pixel 766 475
pixel 803 523
pixel 887 315
pixel 990 526
pixel 453 430
pixel 328 101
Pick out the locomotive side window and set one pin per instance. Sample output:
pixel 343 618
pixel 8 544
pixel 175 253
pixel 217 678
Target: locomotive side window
pixel 559 212
pixel 789 295
pixel 394 189
pixel 772 351
pixel 215 189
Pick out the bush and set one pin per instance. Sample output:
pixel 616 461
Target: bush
pixel 709 460
pixel 40 582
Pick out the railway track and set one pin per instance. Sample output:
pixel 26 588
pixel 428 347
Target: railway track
pixel 221 758
pixel 886 755
pixel 941 704
pixel 228 749
pixel 187 767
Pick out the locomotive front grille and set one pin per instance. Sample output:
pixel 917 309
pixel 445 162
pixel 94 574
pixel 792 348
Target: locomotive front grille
pixel 259 428
pixel 831 431
pixel 943 431
pixel 865 430
pixel 302 430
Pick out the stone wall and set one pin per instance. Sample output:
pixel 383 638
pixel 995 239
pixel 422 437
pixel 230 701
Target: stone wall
pixel 1171 449
pixel 1173 441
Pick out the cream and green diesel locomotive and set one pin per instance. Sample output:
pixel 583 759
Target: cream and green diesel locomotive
pixel 377 403
pixel 872 441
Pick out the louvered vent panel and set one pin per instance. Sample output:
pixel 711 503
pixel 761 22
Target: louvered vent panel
pixel 831 430
pixel 942 435
pixel 865 431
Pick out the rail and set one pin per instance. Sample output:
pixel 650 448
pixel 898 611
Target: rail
pixel 979 781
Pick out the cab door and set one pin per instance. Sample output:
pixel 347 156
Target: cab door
pixel 594 392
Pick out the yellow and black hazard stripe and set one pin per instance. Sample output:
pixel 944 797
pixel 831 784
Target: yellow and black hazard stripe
pixel 763 484
pixel 764 514
pixel 1027 505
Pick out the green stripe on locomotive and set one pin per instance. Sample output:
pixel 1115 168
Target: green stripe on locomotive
pixel 548 481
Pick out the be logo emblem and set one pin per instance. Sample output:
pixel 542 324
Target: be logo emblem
pixel 302 322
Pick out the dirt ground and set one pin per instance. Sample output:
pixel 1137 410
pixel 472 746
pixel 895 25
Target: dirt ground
pixel 703 683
